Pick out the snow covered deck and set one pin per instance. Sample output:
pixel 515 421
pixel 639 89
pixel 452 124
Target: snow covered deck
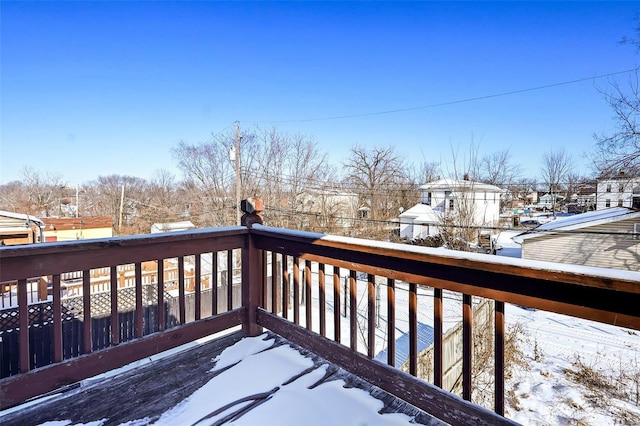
pixel 231 380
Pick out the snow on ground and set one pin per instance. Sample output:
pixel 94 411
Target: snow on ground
pixel 546 392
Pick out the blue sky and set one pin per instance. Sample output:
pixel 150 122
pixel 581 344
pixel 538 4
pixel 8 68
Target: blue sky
pixel 98 88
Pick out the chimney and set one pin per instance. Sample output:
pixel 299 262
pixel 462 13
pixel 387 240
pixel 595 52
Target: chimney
pixel 466 176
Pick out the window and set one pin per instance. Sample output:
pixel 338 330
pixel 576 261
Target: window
pixel 608 187
pixel 607 203
pixel 619 203
pixel 451 204
pixel 636 231
pixel 428 198
pixel 621 187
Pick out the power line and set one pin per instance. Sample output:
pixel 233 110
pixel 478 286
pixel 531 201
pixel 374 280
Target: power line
pixel 460 101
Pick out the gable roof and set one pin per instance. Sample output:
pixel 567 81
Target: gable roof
pixel 579 221
pixel 420 213
pixel 452 184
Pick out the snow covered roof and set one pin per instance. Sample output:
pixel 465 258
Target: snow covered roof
pixel 173 226
pixel 420 213
pixel 21 216
pixel 453 184
pixel 579 221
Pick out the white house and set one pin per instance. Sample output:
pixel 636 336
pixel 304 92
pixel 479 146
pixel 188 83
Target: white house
pixel 336 209
pixel 618 191
pixel 451 198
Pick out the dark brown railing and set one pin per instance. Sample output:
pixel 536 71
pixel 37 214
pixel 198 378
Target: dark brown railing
pixel 320 292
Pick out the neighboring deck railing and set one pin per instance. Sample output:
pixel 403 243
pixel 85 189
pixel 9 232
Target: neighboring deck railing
pixel 293 284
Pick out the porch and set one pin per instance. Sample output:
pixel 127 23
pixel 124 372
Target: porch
pixel 303 287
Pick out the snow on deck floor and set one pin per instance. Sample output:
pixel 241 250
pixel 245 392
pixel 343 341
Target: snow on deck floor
pixel 260 380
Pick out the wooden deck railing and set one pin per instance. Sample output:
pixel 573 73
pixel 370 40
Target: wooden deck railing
pixel 321 292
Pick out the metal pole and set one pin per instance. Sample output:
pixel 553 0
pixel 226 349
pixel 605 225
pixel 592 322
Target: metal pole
pixel 237 174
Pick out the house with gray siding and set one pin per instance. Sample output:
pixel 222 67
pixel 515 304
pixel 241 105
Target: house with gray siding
pixel 608 238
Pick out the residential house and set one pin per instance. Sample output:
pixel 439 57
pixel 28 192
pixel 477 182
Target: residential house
pixel 547 201
pixel 18 228
pixel 451 199
pixel 330 209
pixel 77 228
pixel 618 191
pixel 607 238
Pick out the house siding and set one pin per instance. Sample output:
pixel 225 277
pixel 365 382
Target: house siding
pixel 592 246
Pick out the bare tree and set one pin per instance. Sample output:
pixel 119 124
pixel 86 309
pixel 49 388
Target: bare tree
pixel 619 150
pixel 556 165
pixel 208 170
pixel 43 192
pixel 374 174
pixel 290 170
pixel 275 166
pixel 498 169
pixel 122 198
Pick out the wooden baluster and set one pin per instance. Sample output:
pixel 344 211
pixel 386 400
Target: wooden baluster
pixel 499 357
pixel 113 290
pixel 214 283
pixel 23 323
pixel 353 310
pixel 274 282
pixel 307 294
pixel 296 290
pixel 229 280
pixel 437 336
pixel 413 329
pixel 322 300
pixel 87 340
pixel 57 319
pixel 371 312
pixel 198 286
pixel 139 306
pixel 467 346
pixel 181 295
pixel 391 321
pixel 161 318
pixel 285 286
pixel 336 304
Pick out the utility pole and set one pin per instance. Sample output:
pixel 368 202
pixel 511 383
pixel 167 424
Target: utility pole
pixel 121 208
pixel 237 173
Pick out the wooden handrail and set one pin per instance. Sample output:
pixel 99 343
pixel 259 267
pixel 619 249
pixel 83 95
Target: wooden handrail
pixel 599 294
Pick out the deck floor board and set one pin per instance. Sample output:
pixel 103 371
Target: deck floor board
pixel 148 391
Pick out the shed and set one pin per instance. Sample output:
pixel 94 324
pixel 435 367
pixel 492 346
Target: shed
pixel 19 228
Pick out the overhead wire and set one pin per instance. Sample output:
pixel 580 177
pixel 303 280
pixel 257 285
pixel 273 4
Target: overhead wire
pixel 441 104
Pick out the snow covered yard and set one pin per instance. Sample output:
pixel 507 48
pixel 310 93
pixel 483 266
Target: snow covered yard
pixel 578 371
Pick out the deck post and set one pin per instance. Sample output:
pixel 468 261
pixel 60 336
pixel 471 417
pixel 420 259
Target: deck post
pixel 252 280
